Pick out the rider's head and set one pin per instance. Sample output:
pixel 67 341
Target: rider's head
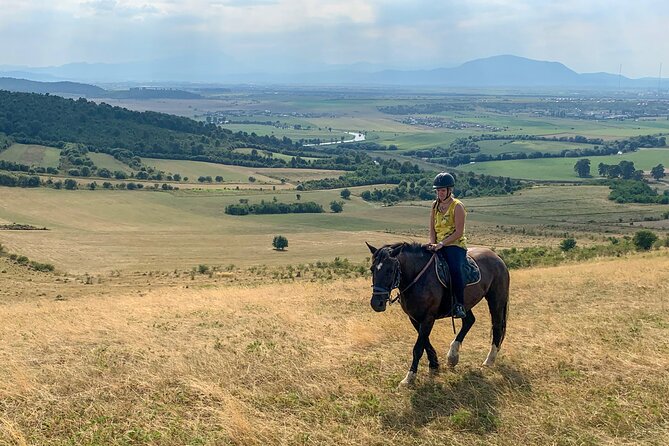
pixel 443 183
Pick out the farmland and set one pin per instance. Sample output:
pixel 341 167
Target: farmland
pixel 562 169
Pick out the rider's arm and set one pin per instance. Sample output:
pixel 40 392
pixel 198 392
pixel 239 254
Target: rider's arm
pixel 433 233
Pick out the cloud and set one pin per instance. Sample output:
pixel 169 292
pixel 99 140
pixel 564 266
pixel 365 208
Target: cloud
pixel 591 35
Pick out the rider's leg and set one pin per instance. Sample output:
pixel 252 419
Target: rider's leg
pixel 456 256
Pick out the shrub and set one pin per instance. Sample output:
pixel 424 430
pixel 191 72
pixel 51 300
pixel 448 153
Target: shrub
pixel 644 239
pixel 568 244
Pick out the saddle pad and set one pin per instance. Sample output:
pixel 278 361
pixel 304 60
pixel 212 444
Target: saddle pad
pixel 470 271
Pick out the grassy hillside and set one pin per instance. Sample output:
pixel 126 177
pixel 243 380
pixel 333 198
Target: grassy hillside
pixel 167 360
pixel 31 155
pixel 143 230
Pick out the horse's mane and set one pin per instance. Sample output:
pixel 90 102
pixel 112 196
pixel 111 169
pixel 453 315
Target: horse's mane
pixel 408 247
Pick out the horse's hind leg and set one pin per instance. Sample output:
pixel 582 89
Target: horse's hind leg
pixel 454 350
pixel 498 304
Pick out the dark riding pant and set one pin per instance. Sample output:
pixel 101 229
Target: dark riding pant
pixel 456 257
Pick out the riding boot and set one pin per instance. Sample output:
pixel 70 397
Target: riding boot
pixel 459 311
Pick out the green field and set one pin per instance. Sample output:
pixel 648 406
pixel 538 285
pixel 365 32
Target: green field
pixel 562 169
pixel 497 147
pixel 32 155
pixel 106 161
pixel 291 133
pixel 280 156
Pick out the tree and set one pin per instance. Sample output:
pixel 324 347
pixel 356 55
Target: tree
pixel 280 242
pixel 70 184
pixel 337 206
pixel 345 194
pixel 644 239
pixel 219 179
pixel 657 172
pixel 602 169
pixel 252 179
pixel 582 168
pixel 568 244
pixel 627 169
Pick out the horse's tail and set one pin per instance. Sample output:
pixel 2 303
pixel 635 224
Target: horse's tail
pixel 498 304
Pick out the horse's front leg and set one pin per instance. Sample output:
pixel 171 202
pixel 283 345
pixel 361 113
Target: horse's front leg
pixel 424 329
pixel 430 350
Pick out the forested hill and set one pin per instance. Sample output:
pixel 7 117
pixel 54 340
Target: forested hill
pixel 27 86
pixel 50 120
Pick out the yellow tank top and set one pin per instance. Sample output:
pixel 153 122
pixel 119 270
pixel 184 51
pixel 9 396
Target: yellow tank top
pixel 444 223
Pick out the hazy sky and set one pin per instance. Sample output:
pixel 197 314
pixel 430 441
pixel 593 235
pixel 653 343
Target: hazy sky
pixel 585 35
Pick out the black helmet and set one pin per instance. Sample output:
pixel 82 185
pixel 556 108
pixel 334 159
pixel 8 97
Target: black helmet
pixel 443 179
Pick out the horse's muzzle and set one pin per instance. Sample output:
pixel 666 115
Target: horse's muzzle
pixel 378 303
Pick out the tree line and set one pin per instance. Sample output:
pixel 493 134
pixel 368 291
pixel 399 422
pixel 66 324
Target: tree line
pixel 308 207
pixel 468 185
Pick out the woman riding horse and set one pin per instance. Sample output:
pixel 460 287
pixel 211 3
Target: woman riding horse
pixel 447 236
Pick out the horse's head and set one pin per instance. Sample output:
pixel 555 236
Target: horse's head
pixel 385 274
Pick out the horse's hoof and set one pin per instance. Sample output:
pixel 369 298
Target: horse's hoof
pixel 453 361
pixel 488 364
pixel 492 355
pixel 434 372
pixel 409 380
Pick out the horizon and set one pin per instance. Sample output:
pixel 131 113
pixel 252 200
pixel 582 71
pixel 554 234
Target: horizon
pixel 283 36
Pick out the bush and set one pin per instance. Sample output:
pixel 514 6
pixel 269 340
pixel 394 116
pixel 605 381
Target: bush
pixel 202 269
pixel 280 242
pixel 337 206
pixel 568 244
pixel 643 240
pixel 345 194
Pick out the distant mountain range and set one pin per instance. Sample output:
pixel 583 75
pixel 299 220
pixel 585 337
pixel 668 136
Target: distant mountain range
pixel 492 72
pixel 91 91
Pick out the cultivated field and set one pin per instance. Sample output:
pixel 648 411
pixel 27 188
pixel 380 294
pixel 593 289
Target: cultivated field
pixel 166 360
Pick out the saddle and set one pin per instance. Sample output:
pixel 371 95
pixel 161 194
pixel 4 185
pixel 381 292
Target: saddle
pixel 470 271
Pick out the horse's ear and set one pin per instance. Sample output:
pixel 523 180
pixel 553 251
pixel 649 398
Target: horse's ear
pixel 397 250
pixel 371 248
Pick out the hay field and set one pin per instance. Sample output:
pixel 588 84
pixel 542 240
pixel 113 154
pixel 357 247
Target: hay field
pixel 167 360
pixel 195 169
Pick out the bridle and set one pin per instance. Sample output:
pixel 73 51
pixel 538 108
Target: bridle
pixel 397 277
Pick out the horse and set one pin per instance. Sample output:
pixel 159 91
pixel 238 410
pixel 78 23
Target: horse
pixel 424 299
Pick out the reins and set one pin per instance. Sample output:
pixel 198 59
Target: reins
pixel 392 300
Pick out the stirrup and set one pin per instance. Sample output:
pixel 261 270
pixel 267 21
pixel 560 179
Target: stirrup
pixel 459 312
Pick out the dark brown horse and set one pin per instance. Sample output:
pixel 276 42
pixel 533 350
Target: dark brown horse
pixel 424 299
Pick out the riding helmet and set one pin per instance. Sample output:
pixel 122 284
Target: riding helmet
pixel 444 179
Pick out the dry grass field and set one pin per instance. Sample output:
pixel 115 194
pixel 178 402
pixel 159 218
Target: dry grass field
pixel 165 360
